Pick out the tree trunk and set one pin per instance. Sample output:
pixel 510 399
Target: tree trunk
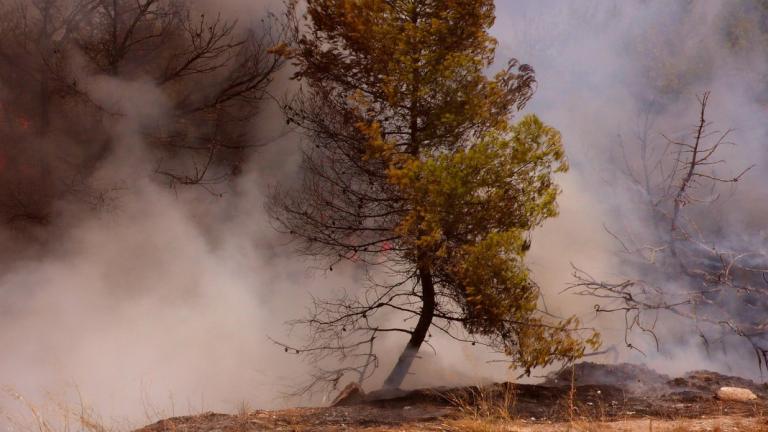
pixel 400 371
pixel 404 362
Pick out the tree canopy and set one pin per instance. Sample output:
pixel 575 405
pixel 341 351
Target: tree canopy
pixel 417 172
pixel 55 132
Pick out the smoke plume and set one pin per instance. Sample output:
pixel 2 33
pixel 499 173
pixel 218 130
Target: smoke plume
pixel 608 73
pixel 152 301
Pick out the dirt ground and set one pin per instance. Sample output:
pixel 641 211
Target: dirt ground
pixel 590 397
pixel 323 421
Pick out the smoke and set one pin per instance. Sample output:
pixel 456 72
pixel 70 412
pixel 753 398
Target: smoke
pixel 160 299
pixel 605 69
pixel 157 301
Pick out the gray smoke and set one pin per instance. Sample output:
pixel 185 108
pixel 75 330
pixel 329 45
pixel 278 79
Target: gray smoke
pixel 160 301
pixel 157 301
pixel 603 68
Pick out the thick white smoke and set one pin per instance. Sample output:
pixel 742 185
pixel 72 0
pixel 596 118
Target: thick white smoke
pixel 159 301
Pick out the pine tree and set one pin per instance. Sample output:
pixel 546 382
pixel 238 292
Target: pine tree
pixel 417 171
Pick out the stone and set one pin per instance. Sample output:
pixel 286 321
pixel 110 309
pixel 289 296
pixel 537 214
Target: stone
pixel 737 394
pixel 351 394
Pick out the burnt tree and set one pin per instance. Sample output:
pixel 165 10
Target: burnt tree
pixel 686 264
pixel 213 71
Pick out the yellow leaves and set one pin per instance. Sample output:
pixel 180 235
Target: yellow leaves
pixel 377 147
pixel 406 47
pixel 281 49
pixel 533 140
pixel 593 341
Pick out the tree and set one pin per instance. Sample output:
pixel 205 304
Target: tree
pixel 688 264
pixel 213 71
pixel 416 172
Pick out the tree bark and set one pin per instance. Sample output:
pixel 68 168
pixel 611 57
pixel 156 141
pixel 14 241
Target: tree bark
pixel 404 362
pixel 403 365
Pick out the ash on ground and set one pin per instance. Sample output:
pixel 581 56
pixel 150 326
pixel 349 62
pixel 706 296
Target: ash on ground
pixel 639 380
pixel 633 378
pixel 592 390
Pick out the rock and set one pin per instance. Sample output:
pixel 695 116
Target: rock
pixel 350 395
pixel 735 394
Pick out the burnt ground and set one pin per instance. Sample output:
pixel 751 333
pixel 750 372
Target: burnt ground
pixel 589 391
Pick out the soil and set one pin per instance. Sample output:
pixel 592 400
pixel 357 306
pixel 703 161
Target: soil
pixel 616 394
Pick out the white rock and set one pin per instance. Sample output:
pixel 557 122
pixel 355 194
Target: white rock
pixel 735 394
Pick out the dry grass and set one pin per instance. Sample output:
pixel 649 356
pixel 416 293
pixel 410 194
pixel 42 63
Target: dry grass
pixel 52 416
pixel 488 402
pixel 718 424
pixel 487 409
pixel 478 409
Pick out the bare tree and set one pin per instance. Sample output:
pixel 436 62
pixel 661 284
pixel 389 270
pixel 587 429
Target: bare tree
pixel 686 266
pixel 215 72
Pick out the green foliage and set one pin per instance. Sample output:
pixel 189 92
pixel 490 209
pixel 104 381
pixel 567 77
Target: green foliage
pixel 472 210
pixel 415 154
pixel 484 196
